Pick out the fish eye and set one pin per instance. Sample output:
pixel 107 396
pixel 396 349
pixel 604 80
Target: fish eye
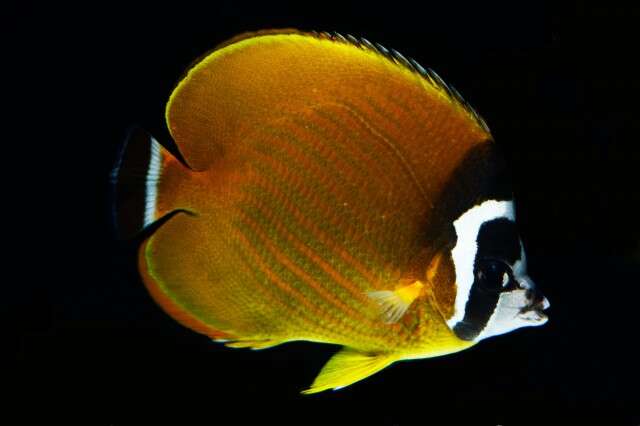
pixel 494 275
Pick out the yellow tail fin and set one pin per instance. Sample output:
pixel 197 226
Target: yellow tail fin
pixel 346 367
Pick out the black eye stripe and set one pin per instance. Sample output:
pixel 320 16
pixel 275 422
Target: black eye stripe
pixel 498 249
pixel 498 239
pixel 483 298
pixel 512 284
pixel 479 308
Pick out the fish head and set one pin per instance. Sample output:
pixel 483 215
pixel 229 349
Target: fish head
pixel 494 294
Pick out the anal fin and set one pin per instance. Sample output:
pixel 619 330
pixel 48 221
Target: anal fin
pixel 347 367
pixel 253 344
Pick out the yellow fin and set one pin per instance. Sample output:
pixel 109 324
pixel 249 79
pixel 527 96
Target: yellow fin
pixel 394 304
pixel 347 367
pixel 253 344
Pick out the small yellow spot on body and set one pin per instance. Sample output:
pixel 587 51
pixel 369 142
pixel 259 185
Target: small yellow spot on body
pixel 433 267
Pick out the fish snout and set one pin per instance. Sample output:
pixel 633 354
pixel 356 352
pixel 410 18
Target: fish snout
pixel 534 310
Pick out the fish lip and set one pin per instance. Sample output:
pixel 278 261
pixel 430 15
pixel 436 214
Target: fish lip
pixel 535 311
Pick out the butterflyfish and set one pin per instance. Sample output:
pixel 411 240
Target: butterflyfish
pixel 326 189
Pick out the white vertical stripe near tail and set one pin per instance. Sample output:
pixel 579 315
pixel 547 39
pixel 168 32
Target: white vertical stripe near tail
pixel 152 178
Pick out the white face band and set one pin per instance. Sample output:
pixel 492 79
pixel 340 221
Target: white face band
pixel 463 254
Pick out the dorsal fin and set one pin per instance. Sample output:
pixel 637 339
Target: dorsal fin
pixel 429 75
pixel 233 40
pixel 199 111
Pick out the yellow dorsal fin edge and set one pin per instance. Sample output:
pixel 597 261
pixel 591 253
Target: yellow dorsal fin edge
pixel 428 76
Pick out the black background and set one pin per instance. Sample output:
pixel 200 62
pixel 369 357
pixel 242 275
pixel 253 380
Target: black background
pixel 557 85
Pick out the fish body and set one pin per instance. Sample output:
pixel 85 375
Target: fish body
pixel 327 191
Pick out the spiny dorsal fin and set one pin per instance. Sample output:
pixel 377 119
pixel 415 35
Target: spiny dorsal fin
pixel 394 304
pixel 429 75
pixel 347 367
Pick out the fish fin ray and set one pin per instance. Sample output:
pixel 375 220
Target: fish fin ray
pixel 254 344
pixel 427 74
pixel 394 304
pixel 347 367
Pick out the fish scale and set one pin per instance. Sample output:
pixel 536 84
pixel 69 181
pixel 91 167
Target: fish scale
pixel 296 283
pixel 288 250
pixel 326 208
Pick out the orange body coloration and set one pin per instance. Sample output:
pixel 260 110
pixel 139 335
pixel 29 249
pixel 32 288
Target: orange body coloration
pixel 313 169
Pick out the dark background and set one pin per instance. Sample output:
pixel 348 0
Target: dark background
pixel 557 85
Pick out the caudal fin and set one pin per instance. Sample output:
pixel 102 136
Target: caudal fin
pixel 135 179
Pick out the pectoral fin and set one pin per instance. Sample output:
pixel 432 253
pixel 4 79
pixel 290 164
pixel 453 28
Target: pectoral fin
pixel 346 367
pixel 394 304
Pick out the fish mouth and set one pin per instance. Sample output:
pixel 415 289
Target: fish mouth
pixel 534 312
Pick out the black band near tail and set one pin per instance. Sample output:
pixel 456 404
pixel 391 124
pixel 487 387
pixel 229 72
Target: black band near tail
pixel 130 179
